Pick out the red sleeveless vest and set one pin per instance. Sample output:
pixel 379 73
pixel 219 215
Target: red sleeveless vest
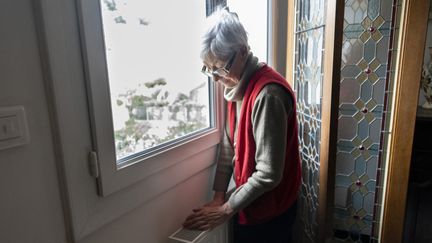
pixel 282 197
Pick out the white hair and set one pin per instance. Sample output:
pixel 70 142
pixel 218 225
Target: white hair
pixel 225 35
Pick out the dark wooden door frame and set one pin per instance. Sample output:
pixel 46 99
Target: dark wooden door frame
pixel 330 114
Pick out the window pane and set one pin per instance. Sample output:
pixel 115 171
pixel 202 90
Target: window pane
pixel 158 93
pixel 253 15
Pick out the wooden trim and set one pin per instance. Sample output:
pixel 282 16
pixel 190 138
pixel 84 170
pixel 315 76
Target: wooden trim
pixel 277 35
pixel 330 108
pixel 412 40
pixel 290 58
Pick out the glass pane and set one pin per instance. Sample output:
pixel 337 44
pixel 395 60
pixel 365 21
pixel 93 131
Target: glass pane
pixel 158 93
pixel 253 16
pixel 309 50
pixel 363 89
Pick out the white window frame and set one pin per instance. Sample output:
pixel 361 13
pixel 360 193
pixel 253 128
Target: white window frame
pixel 110 178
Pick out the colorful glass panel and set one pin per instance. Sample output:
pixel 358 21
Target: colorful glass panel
pixel 363 114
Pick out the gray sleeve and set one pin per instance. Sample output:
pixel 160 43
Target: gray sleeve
pixel 269 118
pixel 224 167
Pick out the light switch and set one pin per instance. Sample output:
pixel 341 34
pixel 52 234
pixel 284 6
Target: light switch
pixel 9 127
pixel 13 127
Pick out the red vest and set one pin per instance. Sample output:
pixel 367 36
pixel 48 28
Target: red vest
pixel 282 197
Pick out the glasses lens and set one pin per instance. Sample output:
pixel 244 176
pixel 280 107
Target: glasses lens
pixel 206 71
pixel 221 72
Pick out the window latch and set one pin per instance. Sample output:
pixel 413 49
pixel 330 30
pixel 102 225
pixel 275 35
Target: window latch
pixel 93 164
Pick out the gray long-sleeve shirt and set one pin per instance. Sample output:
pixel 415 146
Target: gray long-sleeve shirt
pixel 270 113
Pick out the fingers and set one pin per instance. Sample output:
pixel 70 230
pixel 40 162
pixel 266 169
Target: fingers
pixel 205 218
pixel 205 227
pixel 199 216
pixel 200 221
pixel 198 225
pixel 193 220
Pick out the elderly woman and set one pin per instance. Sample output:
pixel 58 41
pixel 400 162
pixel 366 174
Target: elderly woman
pixel 260 143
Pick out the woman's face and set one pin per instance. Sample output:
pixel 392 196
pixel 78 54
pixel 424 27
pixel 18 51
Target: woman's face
pixel 227 80
pixel 234 72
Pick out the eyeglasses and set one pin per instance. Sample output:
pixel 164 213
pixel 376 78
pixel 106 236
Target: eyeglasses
pixel 220 72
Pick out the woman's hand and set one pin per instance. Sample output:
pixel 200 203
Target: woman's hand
pixel 208 217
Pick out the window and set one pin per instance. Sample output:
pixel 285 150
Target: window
pixel 157 93
pixel 150 105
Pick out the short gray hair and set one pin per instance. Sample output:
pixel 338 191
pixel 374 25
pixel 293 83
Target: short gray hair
pixel 225 35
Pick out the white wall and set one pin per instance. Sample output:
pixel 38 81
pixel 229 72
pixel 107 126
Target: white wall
pixel 31 189
pixel 30 205
pixel 154 220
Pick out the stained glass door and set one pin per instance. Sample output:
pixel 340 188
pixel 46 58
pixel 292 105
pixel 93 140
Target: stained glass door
pixel 315 74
